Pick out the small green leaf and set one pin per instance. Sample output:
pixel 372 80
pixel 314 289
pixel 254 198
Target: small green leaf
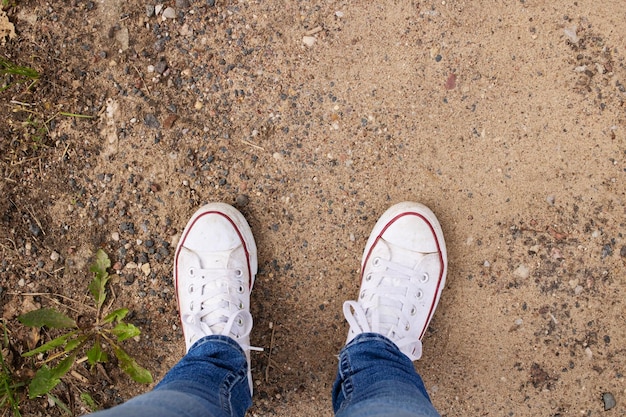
pixel 48 317
pixel 96 354
pixel 60 404
pixel 88 400
pixel 59 341
pixel 117 315
pixel 125 331
pixel 74 343
pixel 42 383
pixel 130 366
pixel 48 378
pixel 64 366
pixel 101 264
pixel 101 277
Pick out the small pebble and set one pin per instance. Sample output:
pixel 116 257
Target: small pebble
pixel 242 200
pixel 169 121
pixel 522 271
pixel 182 4
pixel 169 13
pixel 34 229
pixel 151 121
pixel 451 82
pixel 159 46
pixel 309 40
pixel 54 256
pixel 609 401
pixel 570 32
pixel 161 67
pixel 149 10
pixel 130 265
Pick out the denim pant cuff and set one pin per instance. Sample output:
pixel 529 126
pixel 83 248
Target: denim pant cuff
pixel 376 379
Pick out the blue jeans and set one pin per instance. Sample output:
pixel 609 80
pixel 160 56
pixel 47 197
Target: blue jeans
pixel 375 379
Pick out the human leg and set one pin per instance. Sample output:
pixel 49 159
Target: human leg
pixel 403 272
pixel 211 380
pixel 214 270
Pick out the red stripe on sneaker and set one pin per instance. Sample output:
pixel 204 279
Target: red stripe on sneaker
pixel 432 229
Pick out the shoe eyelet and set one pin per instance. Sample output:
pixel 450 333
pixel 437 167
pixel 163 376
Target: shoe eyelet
pixel 191 271
pixel 190 289
pixel 239 323
pixel 424 278
pixel 368 277
pixel 407 327
pixel 419 294
pixel 238 273
pixel 362 295
pixel 240 305
pixel 376 261
pixel 191 307
pixel 240 290
pixel 413 310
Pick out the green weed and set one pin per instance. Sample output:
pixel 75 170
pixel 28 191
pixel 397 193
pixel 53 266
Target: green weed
pixel 8 3
pixel 106 332
pixel 8 385
pixel 9 68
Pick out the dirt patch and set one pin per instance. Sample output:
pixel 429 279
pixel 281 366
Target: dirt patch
pixel 312 118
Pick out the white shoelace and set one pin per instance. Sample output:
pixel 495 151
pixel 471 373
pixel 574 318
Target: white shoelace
pixel 216 308
pixel 388 300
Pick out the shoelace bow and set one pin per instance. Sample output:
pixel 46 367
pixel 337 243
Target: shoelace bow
pixel 216 307
pixel 382 310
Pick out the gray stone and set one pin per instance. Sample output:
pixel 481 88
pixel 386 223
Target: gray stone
pixel 609 401
pixel 151 121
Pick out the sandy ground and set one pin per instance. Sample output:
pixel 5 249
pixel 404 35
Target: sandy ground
pixel 506 118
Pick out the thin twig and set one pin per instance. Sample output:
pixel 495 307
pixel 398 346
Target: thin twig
pixel 67 146
pixel 14 245
pixel 253 145
pixel 53 273
pixel 50 295
pixel 32 214
pixel 21 103
pixel 269 356
pixel 142 80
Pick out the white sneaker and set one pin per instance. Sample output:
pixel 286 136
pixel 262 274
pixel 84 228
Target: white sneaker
pixel 214 269
pixel 403 272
